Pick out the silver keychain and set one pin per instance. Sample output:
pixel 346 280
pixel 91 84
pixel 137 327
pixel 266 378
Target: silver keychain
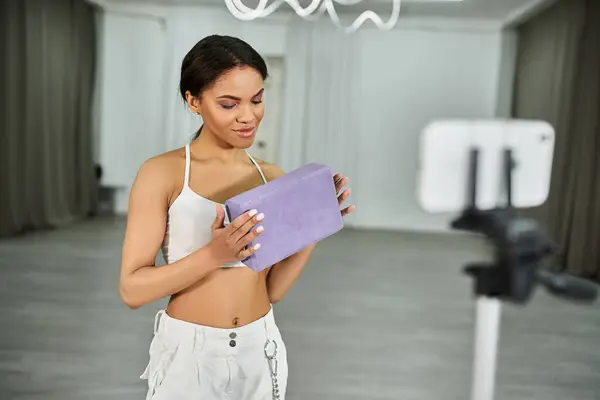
pixel 272 361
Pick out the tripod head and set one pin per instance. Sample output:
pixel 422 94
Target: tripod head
pixel 520 246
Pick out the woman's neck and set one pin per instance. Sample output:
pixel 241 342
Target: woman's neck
pixel 208 146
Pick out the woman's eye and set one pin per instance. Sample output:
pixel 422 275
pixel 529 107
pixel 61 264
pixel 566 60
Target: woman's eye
pixel 231 106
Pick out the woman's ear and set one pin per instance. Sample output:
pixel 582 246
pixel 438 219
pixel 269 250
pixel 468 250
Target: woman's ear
pixel 193 102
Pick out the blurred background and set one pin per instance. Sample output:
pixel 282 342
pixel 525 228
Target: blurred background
pixel 383 310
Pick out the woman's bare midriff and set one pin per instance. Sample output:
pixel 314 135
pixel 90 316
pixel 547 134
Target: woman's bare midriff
pixel 226 298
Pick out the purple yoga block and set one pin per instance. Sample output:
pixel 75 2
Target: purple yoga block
pixel 300 208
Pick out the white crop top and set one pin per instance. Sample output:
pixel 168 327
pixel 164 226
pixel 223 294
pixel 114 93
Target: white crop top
pixel 190 218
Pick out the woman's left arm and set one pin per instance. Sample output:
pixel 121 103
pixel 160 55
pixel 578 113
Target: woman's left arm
pixel 282 276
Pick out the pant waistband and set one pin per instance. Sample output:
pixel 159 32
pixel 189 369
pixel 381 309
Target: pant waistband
pixel 176 328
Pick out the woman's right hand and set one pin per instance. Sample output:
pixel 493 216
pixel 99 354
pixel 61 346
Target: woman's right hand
pixel 229 243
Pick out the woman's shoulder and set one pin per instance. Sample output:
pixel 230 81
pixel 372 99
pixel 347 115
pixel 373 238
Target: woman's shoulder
pixel 162 169
pixel 166 162
pixel 271 171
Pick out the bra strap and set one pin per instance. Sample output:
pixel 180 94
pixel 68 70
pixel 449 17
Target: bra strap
pixel 257 167
pixel 186 179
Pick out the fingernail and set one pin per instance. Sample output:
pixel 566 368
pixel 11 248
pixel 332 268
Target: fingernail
pixel 260 229
pixel 252 213
pixel 257 246
pixel 260 217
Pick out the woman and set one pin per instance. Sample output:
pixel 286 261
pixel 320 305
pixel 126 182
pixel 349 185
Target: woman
pixel 217 337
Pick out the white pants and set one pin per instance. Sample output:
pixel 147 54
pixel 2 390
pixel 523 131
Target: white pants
pixel 189 361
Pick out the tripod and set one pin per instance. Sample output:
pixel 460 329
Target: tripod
pixel 519 246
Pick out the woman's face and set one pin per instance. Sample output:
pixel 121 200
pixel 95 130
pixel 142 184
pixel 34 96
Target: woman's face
pixel 233 108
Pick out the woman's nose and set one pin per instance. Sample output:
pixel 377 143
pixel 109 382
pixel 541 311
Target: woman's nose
pixel 245 116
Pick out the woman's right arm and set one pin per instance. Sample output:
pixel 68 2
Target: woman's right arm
pixel 140 281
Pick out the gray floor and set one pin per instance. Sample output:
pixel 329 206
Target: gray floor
pixel 375 316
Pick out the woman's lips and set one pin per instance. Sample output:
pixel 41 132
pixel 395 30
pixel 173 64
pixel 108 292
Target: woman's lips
pixel 245 132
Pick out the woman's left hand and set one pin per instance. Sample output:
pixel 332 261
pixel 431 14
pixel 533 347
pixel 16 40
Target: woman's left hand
pixel 340 182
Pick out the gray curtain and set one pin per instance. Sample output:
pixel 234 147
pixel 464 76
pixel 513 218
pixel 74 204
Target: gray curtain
pixel 47 64
pixel 558 80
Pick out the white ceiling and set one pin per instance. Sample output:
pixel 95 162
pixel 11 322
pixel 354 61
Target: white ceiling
pixel 509 11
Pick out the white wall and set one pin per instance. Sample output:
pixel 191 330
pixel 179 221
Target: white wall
pixel 407 78
pixel 356 102
pixel 131 107
pixel 367 97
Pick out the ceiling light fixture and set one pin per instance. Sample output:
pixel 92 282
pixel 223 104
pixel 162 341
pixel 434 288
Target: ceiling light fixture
pixel 313 11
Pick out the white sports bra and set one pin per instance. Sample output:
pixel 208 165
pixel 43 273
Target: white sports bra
pixel 190 218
